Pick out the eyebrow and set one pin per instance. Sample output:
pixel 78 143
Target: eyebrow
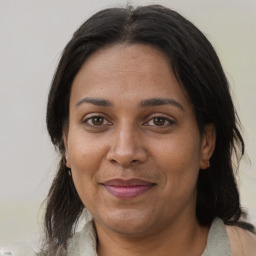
pixel 95 101
pixel 145 103
pixel 161 101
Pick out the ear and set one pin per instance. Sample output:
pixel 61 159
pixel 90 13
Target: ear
pixel 208 141
pixel 65 140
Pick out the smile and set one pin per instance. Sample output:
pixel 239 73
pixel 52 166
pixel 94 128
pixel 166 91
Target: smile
pixel 127 188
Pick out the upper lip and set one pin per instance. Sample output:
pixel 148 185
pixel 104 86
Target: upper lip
pixel 127 183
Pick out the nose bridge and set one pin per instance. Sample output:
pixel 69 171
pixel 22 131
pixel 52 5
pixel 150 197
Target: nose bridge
pixel 127 145
pixel 126 139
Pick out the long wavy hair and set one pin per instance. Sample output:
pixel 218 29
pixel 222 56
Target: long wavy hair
pixel 199 72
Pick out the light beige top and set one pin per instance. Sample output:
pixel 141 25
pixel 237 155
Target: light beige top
pixel 222 241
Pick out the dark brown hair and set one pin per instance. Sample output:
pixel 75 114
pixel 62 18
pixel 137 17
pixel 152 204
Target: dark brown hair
pixel 199 72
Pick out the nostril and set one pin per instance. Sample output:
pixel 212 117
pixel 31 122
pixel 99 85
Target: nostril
pixel 125 162
pixel 127 154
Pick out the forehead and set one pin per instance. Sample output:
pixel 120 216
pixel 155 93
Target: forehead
pixel 131 53
pixel 127 71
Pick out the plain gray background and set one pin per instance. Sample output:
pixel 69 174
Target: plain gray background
pixel 33 34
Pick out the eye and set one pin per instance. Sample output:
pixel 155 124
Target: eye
pixel 160 121
pixel 96 121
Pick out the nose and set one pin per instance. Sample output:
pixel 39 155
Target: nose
pixel 126 147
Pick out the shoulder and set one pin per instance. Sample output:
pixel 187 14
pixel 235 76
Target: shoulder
pixel 243 242
pixel 83 242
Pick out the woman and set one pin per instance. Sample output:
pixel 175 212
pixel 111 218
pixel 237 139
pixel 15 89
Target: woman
pixel 141 114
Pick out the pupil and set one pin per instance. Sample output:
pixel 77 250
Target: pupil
pixel 97 120
pixel 159 121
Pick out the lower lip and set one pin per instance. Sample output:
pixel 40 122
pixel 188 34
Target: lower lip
pixel 128 191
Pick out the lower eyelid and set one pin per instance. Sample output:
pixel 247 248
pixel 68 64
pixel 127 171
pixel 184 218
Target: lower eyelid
pixel 170 121
pixel 87 121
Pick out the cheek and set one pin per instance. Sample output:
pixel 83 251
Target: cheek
pixel 86 157
pixel 179 150
pixel 84 152
pixel 179 160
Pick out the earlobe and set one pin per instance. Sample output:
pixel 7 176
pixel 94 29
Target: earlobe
pixel 67 160
pixel 64 137
pixel 207 145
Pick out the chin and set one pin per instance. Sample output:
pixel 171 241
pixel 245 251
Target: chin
pixel 128 221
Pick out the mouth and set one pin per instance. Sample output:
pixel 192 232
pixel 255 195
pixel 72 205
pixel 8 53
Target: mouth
pixel 127 188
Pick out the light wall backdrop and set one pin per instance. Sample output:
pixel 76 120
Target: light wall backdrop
pixel 33 34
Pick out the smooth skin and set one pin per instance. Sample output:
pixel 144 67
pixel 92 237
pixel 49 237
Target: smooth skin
pixel 129 118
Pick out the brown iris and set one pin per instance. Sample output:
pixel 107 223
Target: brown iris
pixel 159 121
pixel 97 120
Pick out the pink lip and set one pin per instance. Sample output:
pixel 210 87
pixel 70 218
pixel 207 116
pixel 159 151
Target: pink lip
pixel 127 188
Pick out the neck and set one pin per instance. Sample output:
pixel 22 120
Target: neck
pixel 178 239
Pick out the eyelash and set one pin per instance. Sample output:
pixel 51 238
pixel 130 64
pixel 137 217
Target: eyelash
pixel 167 121
pixel 94 117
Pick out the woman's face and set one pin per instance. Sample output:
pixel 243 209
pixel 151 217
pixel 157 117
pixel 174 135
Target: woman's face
pixel 133 143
